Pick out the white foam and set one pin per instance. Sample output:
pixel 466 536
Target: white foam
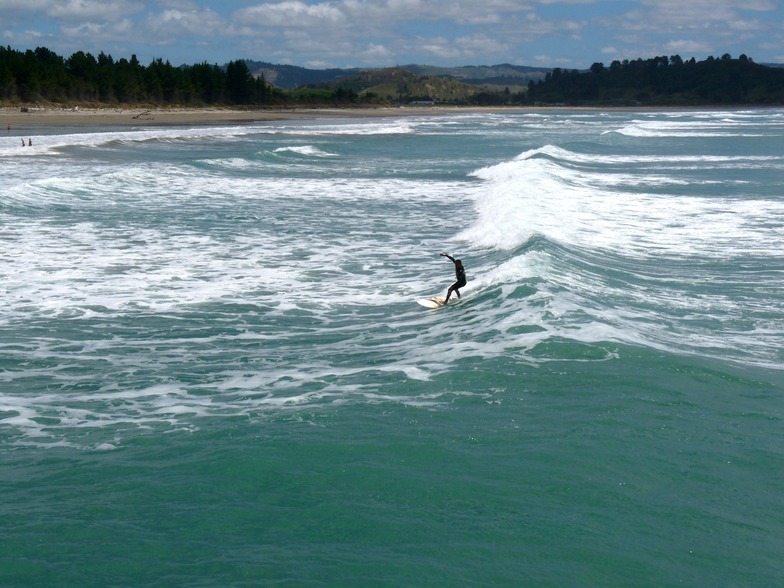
pixel 209 312
pixel 691 127
pixel 580 160
pixel 391 126
pixel 309 150
pixel 598 209
pixel 53 144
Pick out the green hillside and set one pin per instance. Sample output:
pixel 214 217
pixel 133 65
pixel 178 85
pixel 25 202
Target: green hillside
pixel 505 75
pixel 401 86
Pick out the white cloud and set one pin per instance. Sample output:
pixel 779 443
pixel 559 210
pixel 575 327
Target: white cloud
pixel 291 14
pixel 689 47
pixel 375 53
pixel 433 30
pixel 439 48
pixel 11 6
pixel 100 34
pixel 192 21
pixel 92 10
pixel 694 27
pixel 710 7
pixel 667 15
pixel 460 11
pixel 480 46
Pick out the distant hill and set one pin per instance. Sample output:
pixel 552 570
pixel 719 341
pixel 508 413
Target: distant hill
pixel 397 84
pixel 503 74
pixel 288 77
pixel 665 80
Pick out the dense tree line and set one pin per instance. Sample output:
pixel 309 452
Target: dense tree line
pixel 663 81
pixel 42 75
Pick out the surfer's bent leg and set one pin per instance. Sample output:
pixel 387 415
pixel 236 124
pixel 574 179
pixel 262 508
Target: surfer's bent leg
pixel 452 288
pixel 455 288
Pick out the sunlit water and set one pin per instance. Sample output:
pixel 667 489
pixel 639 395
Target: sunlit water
pixel 213 370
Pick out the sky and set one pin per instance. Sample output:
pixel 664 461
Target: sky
pixel 381 33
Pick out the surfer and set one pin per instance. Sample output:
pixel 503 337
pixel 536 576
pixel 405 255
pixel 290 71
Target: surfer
pixel 459 274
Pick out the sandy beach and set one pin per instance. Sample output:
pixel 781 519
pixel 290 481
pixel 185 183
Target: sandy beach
pixel 19 118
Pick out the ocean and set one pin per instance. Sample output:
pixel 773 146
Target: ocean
pixel 214 370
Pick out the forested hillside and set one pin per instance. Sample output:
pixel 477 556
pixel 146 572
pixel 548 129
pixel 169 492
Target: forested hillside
pixel 41 75
pixel 664 81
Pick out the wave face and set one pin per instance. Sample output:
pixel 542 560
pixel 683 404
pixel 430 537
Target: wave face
pixel 647 242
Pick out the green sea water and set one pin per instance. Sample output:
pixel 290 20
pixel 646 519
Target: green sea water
pixel 214 372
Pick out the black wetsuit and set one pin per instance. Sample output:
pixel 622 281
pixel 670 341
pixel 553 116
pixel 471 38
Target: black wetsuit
pixel 459 274
pixel 461 277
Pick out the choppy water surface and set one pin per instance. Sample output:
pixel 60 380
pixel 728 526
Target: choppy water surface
pixel 213 370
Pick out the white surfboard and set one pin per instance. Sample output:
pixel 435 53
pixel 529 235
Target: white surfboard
pixel 432 302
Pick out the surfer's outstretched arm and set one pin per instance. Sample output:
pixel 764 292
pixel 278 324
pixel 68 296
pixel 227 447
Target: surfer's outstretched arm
pixel 452 259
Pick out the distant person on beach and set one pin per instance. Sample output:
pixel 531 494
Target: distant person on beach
pixel 29 142
pixel 23 143
pixel 459 274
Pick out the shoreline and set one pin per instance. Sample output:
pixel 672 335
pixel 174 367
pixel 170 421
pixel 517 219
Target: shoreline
pixel 119 116
pixel 35 117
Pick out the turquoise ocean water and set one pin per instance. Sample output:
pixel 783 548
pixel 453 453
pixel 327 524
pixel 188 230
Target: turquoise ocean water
pixel 213 370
